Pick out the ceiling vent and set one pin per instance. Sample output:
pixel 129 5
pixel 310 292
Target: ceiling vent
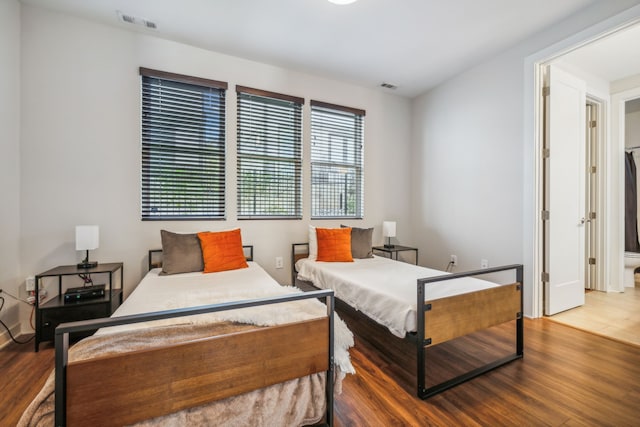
pixel 388 86
pixel 130 19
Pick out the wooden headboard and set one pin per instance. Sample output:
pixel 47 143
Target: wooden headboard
pixel 155 256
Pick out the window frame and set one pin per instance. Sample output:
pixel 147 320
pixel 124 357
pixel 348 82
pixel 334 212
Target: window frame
pixel 160 153
pixel 357 148
pixel 283 158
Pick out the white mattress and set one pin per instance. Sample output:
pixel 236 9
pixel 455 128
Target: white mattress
pixel 158 293
pixel 183 290
pixel 383 289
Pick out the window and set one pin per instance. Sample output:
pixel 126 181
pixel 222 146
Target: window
pixel 269 154
pixel 183 147
pixel 336 161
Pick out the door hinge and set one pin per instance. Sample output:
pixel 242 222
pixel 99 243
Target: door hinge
pixel 545 215
pixel 546 91
pixel 544 276
pixel 593 169
pixel 592 123
pixel 546 152
pixel 592 215
pixel 592 261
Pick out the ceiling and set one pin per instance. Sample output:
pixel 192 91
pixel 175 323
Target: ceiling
pixel 611 58
pixel 412 44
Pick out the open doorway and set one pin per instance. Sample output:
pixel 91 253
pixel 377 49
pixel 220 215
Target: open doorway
pixel 604 189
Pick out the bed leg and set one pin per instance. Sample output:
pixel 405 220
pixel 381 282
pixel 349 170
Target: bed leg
pixel 330 302
pixel 62 348
pixel 520 320
pixel 420 342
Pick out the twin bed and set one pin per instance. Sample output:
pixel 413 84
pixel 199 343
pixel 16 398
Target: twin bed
pixel 403 310
pixel 228 348
pixel 236 348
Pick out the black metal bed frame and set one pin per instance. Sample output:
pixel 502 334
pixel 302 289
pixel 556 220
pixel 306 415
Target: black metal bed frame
pixel 422 341
pixel 63 330
pixel 414 338
pixel 151 264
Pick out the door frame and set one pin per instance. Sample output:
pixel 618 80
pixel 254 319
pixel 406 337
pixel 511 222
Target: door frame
pixel 602 114
pixel 533 120
pixel 618 109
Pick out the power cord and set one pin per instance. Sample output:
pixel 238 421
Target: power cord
pixel 449 267
pixel 88 281
pixel 6 327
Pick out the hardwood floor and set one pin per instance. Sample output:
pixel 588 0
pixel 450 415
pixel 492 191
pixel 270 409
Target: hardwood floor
pixel 23 373
pixel 568 377
pixel 610 314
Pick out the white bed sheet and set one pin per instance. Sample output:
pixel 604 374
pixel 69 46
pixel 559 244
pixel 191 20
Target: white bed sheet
pixel 167 292
pixel 156 292
pixel 384 289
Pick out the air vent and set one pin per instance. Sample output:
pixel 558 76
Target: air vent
pixel 130 19
pixel 388 86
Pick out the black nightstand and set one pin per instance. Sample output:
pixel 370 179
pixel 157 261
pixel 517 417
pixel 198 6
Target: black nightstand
pixel 50 314
pixel 393 252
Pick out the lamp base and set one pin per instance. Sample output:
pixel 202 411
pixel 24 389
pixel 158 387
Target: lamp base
pixel 389 246
pixel 91 264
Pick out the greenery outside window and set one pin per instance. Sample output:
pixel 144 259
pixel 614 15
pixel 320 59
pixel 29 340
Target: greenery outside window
pixel 183 147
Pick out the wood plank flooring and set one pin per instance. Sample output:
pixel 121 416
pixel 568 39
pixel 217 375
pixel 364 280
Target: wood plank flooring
pixel 567 378
pixel 610 314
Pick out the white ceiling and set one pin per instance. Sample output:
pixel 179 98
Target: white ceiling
pixel 611 58
pixel 413 44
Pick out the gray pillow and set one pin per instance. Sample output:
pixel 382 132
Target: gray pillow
pixel 361 239
pixel 181 253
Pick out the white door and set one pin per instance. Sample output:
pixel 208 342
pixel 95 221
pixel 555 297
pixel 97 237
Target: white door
pixel 565 174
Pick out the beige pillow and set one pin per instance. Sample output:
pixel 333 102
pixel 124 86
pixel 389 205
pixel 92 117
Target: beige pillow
pixel 361 242
pixel 181 253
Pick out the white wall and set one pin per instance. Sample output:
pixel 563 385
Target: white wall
pixel 9 163
pixel 472 162
pixel 632 124
pixel 81 144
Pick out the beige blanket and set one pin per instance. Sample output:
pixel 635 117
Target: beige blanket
pixel 293 403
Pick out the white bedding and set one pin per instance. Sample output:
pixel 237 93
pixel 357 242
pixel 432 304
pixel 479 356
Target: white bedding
pixel 296 402
pixel 157 293
pixel 383 289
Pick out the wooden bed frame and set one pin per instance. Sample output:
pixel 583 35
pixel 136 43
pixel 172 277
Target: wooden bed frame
pixel 442 320
pixel 201 371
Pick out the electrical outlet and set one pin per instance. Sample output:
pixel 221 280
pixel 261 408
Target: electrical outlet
pixel 484 263
pixel 30 283
pixel 279 262
pixel 454 259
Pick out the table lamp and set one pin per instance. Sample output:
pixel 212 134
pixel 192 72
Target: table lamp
pixel 389 231
pixel 87 238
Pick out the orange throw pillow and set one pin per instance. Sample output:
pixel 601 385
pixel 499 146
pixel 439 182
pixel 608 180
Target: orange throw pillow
pixel 334 244
pixel 222 250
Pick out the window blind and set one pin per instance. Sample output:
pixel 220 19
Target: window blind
pixel 269 155
pixel 183 147
pixel 336 161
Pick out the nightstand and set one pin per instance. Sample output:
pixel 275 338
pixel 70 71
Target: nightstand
pixel 393 251
pixel 55 311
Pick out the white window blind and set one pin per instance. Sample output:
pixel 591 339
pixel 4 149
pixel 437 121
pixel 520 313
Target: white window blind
pixel 336 161
pixel 269 155
pixel 183 147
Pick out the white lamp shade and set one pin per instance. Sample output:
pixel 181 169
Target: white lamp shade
pixel 87 237
pixel 389 229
